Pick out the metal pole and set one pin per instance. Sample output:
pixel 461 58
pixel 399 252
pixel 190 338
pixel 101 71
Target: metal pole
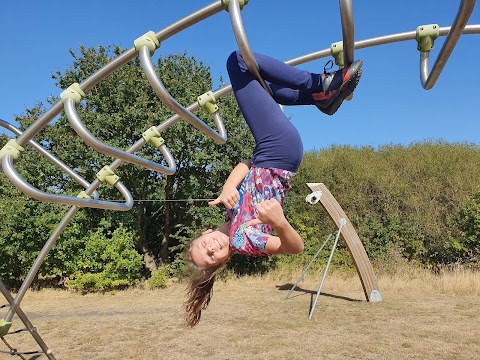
pixel 342 222
pixel 87 136
pixel 310 263
pixel 116 63
pixel 172 104
pixel 31 329
pixel 464 12
pixel 348 32
pixel 243 44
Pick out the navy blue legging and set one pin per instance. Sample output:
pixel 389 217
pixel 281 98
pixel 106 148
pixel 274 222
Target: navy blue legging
pixel 278 143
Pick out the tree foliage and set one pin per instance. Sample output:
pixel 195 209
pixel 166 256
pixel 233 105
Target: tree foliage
pixel 420 201
pixel 117 111
pixel 404 199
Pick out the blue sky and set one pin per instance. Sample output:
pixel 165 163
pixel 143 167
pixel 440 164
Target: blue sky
pixel 389 106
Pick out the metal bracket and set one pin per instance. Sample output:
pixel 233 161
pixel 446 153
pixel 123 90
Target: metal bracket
pixel 73 92
pixel 152 137
pixel 426 36
pixel 4 327
pixel 83 195
pixel 148 39
pixel 11 148
pixel 336 50
pixel 107 175
pixel 375 296
pixel 207 102
pixel 242 3
pixel 314 197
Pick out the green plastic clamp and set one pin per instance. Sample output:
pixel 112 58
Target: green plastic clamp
pixel 149 39
pixel 4 327
pixel 336 50
pixel 73 92
pixel 107 174
pixel 11 148
pixel 152 137
pixel 83 195
pixel 207 102
pixel 426 35
pixel 242 3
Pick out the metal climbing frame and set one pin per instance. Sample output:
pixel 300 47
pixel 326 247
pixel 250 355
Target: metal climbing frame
pixel 144 47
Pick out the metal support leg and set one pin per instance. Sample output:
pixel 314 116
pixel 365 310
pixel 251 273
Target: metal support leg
pixel 31 329
pixel 342 222
pixel 310 263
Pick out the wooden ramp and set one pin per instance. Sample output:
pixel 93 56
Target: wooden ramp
pixel 355 246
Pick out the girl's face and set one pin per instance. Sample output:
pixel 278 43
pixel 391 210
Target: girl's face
pixel 210 250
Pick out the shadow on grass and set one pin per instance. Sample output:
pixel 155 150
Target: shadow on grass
pixel 300 291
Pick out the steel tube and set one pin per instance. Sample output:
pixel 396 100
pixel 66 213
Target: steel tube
pixel 28 325
pixel 50 157
pixel 464 13
pixel 115 64
pixel 39 260
pixel 310 263
pixel 172 104
pixel 346 13
pixel 242 42
pixel 361 44
pixel 92 141
pixel 327 267
pixel 20 183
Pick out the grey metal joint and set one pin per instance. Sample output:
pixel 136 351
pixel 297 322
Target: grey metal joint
pixel 242 3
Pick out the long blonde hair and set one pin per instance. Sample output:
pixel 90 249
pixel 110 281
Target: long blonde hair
pixel 199 290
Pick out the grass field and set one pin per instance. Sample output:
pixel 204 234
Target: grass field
pixel 422 316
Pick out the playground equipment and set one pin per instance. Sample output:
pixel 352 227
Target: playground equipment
pixel 144 47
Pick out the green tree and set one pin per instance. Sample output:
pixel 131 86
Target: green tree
pixel 117 111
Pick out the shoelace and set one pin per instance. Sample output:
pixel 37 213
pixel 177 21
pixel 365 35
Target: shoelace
pixel 325 67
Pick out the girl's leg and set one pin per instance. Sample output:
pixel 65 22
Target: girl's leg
pixel 286 76
pixel 291 97
pixel 278 143
pixel 292 86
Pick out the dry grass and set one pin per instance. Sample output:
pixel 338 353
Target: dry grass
pixel 422 316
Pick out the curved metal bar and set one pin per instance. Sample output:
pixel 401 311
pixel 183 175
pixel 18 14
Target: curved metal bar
pixel 50 157
pixel 464 12
pixel 92 141
pixel 348 31
pixel 25 187
pixel 163 149
pixel 242 41
pixel 380 40
pixel 172 104
pixel 56 109
pixel 115 64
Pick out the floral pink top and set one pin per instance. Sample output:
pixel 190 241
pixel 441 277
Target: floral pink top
pixel 259 184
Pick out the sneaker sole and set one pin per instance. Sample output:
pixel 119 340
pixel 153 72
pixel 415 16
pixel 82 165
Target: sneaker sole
pixel 346 91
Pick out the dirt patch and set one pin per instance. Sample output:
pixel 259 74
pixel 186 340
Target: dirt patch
pixel 250 318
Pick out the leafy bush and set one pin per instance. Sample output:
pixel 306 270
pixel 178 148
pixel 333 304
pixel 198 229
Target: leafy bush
pixel 158 279
pixel 466 246
pixel 107 262
pixel 398 198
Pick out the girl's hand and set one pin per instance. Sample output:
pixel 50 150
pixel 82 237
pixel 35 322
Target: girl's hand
pixel 229 197
pixel 269 212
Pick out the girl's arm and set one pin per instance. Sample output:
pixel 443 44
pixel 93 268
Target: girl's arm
pixel 288 240
pixel 229 195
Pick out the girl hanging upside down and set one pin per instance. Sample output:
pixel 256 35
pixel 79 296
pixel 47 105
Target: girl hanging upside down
pixel 254 191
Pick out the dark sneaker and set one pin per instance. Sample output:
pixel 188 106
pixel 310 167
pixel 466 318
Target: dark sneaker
pixel 338 86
